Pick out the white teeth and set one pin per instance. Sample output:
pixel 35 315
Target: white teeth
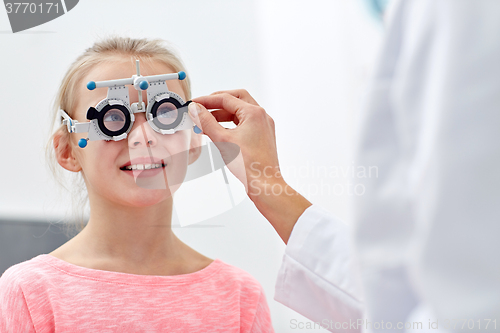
pixel 142 166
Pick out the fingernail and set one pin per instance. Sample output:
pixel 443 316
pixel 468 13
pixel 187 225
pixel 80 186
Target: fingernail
pixel 194 109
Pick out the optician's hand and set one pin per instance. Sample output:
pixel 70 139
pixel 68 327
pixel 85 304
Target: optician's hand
pixel 257 165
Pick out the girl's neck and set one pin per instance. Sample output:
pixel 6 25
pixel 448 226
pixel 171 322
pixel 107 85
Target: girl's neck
pixel 136 240
pixel 131 232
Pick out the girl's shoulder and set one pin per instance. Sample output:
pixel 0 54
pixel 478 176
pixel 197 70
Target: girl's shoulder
pixel 47 272
pixel 237 280
pixel 25 271
pixel 235 274
pixel 21 277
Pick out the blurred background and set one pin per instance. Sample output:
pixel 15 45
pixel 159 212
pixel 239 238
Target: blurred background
pixel 306 63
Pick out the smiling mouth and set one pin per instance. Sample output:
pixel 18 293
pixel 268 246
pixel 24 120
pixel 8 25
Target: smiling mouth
pixel 143 166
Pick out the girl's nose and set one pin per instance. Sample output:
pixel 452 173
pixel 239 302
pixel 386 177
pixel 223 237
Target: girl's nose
pixel 141 135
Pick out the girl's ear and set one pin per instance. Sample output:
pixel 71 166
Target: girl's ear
pixel 64 153
pixel 194 147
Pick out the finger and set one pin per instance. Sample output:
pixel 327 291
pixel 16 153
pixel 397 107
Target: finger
pixel 239 93
pixel 206 122
pixel 227 102
pixel 223 116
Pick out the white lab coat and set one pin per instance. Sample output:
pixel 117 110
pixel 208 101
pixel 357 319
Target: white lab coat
pixel 427 230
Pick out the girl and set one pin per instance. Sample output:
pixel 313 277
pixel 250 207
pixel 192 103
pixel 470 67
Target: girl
pixel 126 271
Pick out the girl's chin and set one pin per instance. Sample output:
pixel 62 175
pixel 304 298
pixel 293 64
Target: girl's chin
pixel 146 198
pixel 155 189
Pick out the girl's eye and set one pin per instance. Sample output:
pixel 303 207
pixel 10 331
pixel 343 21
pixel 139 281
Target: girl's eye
pixel 114 120
pixel 167 113
pixel 114 116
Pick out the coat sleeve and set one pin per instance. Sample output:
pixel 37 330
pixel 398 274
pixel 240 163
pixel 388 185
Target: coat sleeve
pixel 317 277
pixel 14 313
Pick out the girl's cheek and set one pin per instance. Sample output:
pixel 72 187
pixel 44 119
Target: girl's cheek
pixel 177 142
pixel 103 151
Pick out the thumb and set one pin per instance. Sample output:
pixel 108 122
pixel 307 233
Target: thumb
pixel 205 121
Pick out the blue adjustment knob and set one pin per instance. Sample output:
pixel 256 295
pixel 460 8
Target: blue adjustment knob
pixel 182 75
pixel 91 85
pixel 82 143
pixel 196 129
pixel 144 85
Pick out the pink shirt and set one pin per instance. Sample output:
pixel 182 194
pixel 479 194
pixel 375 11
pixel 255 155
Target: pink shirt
pixel 46 294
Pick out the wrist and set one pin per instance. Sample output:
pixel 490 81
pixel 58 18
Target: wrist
pixel 280 204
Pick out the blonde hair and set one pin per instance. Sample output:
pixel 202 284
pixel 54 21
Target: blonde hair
pixel 146 50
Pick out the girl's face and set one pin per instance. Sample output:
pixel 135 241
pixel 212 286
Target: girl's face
pixel 104 162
